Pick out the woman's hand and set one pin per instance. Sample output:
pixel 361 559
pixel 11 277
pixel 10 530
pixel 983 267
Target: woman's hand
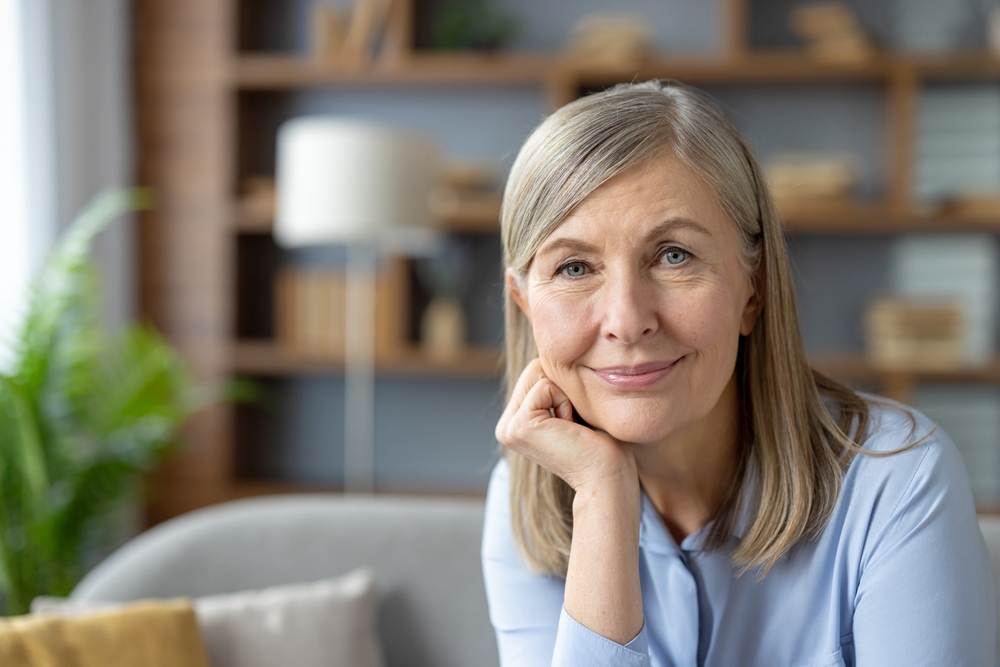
pixel 538 424
pixel 602 581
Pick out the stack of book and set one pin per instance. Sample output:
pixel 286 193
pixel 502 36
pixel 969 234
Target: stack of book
pixel 915 334
pixel 311 307
pixel 311 310
pixel 467 197
pixel 958 267
pixel 811 182
pixel 958 143
pixel 359 33
pixel 832 33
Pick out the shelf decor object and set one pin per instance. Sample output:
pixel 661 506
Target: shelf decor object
pixel 832 33
pixel 803 182
pixel 610 40
pixel 960 267
pixel 915 334
pixel 363 186
pixel 446 277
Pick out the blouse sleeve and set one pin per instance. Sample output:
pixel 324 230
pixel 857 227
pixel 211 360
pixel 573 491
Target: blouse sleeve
pixel 526 608
pixel 925 594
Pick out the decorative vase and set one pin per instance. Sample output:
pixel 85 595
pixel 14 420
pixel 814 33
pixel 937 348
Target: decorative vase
pixel 442 329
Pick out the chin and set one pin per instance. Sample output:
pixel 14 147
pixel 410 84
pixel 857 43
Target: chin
pixel 631 425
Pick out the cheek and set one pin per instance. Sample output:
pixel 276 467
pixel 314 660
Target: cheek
pixel 563 329
pixel 703 320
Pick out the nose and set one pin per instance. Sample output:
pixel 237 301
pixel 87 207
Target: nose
pixel 628 308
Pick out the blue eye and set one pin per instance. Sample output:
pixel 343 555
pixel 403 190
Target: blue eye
pixel 675 255
pixel 575 270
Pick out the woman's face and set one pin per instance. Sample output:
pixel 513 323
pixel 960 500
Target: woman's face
pixel 637 301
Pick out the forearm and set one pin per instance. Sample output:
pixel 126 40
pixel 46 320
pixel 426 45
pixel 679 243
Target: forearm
pixel 602 582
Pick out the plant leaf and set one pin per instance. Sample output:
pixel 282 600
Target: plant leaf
pixel 63 281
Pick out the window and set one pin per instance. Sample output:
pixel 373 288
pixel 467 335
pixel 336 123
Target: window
pixel 15 254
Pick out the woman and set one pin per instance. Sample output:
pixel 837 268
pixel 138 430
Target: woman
pixel 678 487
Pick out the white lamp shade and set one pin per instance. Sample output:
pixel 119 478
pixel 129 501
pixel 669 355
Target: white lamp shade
pixel 343 181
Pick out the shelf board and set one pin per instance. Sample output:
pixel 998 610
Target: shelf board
pixel 476 215
pixel 955 65
pixel 855 367
pixel 267 71
pixel 279 71
pixel 479 217
pixel 878 219
pixel 791 66
pixel 759 67
pixel 270 359
pixel 249 222
pixel 483 217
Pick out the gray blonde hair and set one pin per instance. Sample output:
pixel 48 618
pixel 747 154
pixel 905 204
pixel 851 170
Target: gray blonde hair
pixel 799 451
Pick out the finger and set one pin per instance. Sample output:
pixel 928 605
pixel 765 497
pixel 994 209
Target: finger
pixel 555 400
pixel 521 418
pixel 529 377
pixel 545 400
pixel 563 408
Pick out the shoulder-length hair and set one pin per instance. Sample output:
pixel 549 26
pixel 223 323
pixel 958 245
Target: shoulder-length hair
pixel 799 451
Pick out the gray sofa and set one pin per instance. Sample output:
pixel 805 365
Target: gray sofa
pixel 424 553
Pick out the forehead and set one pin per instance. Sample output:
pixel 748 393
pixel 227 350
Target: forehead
pixel 643 198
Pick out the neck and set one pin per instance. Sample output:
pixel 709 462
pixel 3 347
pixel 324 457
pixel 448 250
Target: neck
pixel 687 475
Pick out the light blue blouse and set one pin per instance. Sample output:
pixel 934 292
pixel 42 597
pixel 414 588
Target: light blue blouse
pixel 900 576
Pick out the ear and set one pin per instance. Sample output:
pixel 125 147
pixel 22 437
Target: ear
pixel 517 292
pixel 751 311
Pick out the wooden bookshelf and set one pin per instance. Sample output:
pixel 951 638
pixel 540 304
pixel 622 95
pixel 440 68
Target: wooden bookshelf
pixel 196 97
pixel 270 359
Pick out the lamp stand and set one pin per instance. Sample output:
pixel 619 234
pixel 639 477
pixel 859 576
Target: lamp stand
pixel 359 376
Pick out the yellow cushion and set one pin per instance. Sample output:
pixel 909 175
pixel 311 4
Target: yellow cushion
pixel 154 633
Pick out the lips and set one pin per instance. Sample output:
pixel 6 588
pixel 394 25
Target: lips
pixel 635 377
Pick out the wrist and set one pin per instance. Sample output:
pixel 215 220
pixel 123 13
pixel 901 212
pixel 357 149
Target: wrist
pixel 611 501
pixel 618 482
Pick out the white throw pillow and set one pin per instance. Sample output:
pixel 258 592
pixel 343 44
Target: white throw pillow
pixel 329 623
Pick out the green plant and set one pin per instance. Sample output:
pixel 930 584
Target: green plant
pixel 471 24
pixel 82 415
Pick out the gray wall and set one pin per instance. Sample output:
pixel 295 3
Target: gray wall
pixel 434 434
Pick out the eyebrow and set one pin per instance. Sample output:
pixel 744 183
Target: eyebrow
pixel 577 245
pixel 673 223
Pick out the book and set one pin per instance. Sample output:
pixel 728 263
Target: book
pixel 310 306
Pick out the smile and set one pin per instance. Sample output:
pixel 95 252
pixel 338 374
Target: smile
pixel 635 377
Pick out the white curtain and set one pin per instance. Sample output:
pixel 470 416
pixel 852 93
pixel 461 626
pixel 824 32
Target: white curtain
pixel 66 129
pixel 91 70
pixel 16 261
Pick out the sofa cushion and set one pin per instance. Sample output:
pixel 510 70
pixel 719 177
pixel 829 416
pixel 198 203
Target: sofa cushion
pixel 329 623
pixel 156 633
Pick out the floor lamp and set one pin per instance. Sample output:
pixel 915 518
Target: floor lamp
pixel 361 186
